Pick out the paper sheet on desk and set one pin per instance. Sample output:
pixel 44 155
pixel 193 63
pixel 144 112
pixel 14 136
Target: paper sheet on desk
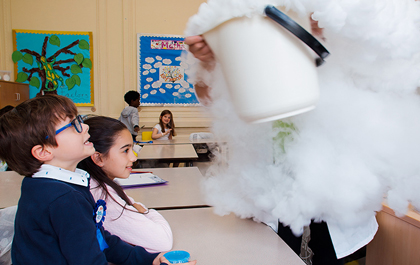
pixel 140 179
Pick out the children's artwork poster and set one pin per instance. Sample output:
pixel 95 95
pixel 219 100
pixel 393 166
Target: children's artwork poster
pixel 162 78
pixel 55 62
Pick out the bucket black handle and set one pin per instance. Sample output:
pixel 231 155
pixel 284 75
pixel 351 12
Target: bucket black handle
pixel 298 31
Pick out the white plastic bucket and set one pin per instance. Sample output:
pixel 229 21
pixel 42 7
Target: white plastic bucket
pixel 271 74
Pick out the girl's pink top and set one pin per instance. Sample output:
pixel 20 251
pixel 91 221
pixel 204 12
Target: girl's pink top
pixel 150 231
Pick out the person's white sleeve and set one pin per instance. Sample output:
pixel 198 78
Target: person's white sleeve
pixel 150 231
pixel 347 240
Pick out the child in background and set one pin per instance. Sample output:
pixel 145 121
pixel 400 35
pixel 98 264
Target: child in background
pixel 57 220
pixel 165 129
pixel 130 114
pixel 113 158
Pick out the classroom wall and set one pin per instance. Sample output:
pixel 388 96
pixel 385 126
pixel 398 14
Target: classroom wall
pixel 114 24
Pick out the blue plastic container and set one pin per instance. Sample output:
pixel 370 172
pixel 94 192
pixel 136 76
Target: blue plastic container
pixel 177 256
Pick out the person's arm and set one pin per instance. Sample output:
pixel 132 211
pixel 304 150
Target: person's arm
pixel 140 208
pixel 135 120
pixel 120 252
pixel 201 50
pixel 71 219
pixel 156 135
pixel 150 231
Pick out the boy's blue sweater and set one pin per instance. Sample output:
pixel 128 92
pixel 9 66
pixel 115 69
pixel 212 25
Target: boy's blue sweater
pixel 54 225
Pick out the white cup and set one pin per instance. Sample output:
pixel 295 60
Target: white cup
pixel 270 73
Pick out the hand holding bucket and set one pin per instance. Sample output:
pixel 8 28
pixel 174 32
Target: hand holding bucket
pixel 270 72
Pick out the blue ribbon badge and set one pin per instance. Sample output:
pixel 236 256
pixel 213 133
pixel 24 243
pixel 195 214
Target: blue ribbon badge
pixel 99 218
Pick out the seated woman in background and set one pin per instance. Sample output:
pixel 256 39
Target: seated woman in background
pixel 165 129
pixel 113 158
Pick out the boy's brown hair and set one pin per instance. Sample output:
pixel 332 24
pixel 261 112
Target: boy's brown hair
pixel 29 124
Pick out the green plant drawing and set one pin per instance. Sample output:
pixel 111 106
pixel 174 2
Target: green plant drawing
pixel 50 70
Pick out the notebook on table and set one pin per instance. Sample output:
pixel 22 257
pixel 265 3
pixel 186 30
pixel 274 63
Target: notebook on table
pixel 140 179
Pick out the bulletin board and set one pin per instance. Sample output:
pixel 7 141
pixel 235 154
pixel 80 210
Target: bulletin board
pixel 161 71
pixel 55 62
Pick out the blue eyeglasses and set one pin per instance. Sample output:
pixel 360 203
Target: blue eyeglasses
pixel 76 122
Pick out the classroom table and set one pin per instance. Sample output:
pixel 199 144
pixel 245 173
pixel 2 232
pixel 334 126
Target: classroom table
pixel 226 240
pixel 182 139
pixel 181 191
pixel 10 183
pixel 168 153
pixel 203 147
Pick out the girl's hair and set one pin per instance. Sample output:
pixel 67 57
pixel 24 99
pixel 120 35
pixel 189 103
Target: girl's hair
pixel 103 132
pixel 171 124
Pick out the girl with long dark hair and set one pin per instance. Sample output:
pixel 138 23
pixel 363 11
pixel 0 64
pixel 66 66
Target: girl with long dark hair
pixel 114 158
pixel 165 129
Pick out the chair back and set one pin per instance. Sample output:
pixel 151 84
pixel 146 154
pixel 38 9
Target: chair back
pixel 146 136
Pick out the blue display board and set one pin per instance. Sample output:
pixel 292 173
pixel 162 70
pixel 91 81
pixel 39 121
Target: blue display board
pixel 58 62
pixel 161 72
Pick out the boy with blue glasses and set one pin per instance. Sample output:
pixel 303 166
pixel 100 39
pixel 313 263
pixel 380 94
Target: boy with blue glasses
pixel 58 221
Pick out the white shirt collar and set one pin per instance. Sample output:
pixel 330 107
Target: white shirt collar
pixel 78 177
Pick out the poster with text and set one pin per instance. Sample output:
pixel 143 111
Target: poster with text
pixel 161 72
